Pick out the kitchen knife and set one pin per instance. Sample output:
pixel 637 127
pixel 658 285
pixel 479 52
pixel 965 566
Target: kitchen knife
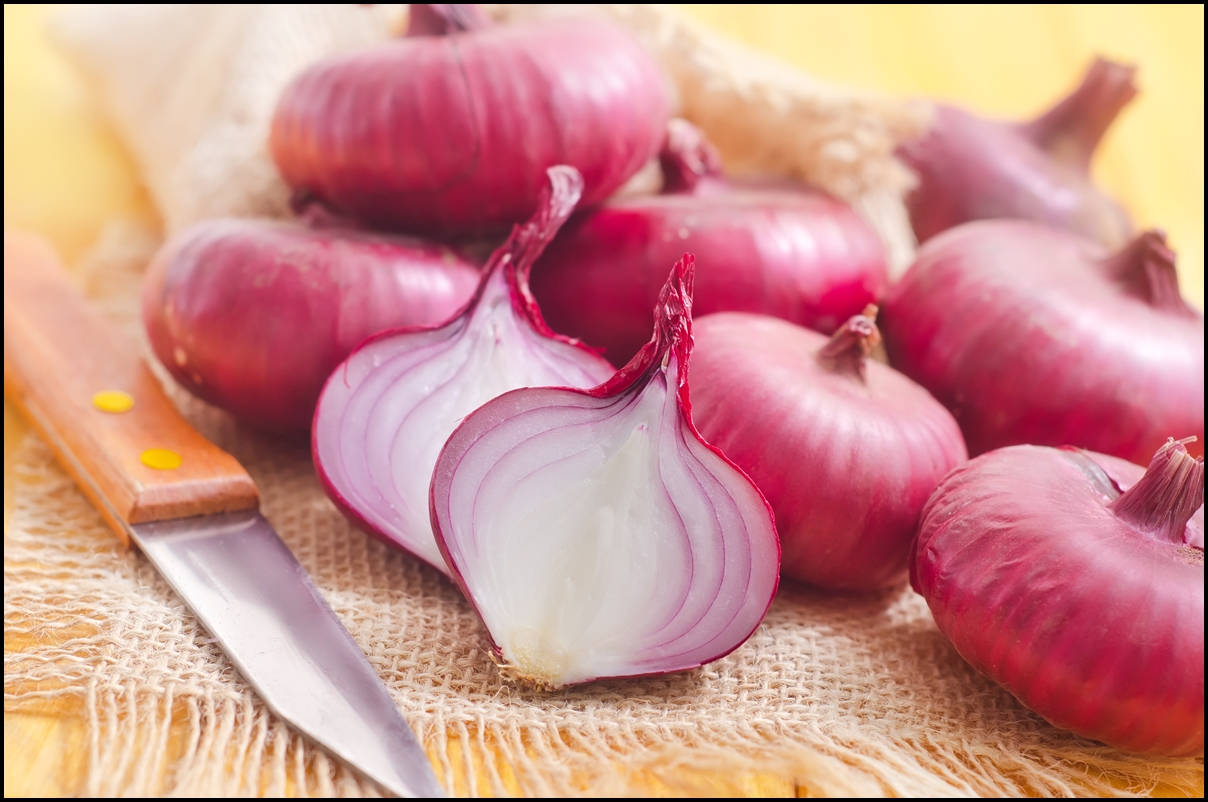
pixel 193 511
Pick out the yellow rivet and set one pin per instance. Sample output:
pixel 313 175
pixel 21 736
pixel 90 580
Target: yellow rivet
pixel 160 459
pixel 113 401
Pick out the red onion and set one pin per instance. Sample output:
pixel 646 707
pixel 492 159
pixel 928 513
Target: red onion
pixel 791 253
pixel 449 130
pixel 846 449
pixel 1030 334
pixel 595 532
pixel 386 411
pixel 1086 603
pixel 971 168
pixel 252 315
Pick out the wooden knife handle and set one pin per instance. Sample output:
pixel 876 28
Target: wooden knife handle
pixel 58 354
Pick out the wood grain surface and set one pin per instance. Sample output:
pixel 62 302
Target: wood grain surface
pixel 66 176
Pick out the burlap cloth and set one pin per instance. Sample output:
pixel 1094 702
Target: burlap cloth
pixel 847 695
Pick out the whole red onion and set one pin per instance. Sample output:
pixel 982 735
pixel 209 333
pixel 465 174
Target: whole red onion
pixel 972 168
pixel 1030 334
pixel 846 449
pixel 1085 602
pixel 252 315
pixel 450 129
pixel 787 252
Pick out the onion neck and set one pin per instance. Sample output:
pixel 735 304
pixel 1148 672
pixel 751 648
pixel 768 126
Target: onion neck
pixel 849 348
pixel 443 19
pixel 1145 268
pixel 1165 498
pixel 687 157
pixel 1071 130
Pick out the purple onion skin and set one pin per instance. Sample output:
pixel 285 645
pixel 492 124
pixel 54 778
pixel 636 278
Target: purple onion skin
pixel 1091 622
pixel 846 455
pixel 972 168
pixel 1029 334
pixel 473 120
pixel 252 315
pixel 798 255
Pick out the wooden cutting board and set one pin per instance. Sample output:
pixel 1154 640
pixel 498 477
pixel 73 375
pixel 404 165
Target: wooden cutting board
pixel 66 175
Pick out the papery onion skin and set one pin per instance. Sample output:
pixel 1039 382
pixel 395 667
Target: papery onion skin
pixel 567 424
pixel 387 409
pixel 1029 334
pixel 972 168
pixel 846 449
pixel 1090 620
pixel 451 134
pixel 253 315
pixel 793 253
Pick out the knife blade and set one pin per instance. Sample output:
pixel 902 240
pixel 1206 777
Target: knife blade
pixel 194 512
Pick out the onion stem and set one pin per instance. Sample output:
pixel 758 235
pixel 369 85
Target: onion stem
pixel 849 347
pixel 442 19
pixel 1072 129
pixel 1146 268
pixel 686 157
pixel 1164 499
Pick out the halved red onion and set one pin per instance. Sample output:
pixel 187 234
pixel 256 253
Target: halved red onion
pixel 387 409
pixel 595 532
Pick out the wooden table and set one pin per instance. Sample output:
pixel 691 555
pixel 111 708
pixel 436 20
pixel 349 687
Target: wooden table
pixel 66 174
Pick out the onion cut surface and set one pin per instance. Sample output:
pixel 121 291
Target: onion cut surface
pixel 1085 602
pixel 386 411
pixel 1030 334
pixel 846 449
pixel 596 534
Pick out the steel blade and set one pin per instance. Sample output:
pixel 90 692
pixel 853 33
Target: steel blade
pixel 250 593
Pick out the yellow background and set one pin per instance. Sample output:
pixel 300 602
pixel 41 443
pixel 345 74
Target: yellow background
pixel 66 174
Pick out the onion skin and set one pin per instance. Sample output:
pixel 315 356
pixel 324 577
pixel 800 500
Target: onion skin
pixel 252 315
pixel 796 254
pixel 1092 620
pixel 971 168
pixel 846 449
pixel 1029 334
pixel 451 134
pixel 721 579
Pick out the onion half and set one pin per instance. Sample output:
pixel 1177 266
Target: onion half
pixel 846 449
pixel 387 409
pixel 1085 601
pixel 595 532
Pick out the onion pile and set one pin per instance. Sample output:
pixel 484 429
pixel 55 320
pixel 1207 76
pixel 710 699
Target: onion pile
pixel 788 252
pixel 387 409
pixel 1077 582
pixel 450 129
pixel 845 448
pixel 970 168
pixel 253 315
pixel 1030 334
pixel 595 533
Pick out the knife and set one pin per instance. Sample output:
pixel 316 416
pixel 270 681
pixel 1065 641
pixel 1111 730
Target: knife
pixel 194 512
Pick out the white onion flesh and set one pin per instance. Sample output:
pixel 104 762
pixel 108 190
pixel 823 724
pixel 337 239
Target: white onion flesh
pixel 386 412
pixel 597 535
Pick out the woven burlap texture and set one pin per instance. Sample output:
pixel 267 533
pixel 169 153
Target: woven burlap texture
pixel 847 695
